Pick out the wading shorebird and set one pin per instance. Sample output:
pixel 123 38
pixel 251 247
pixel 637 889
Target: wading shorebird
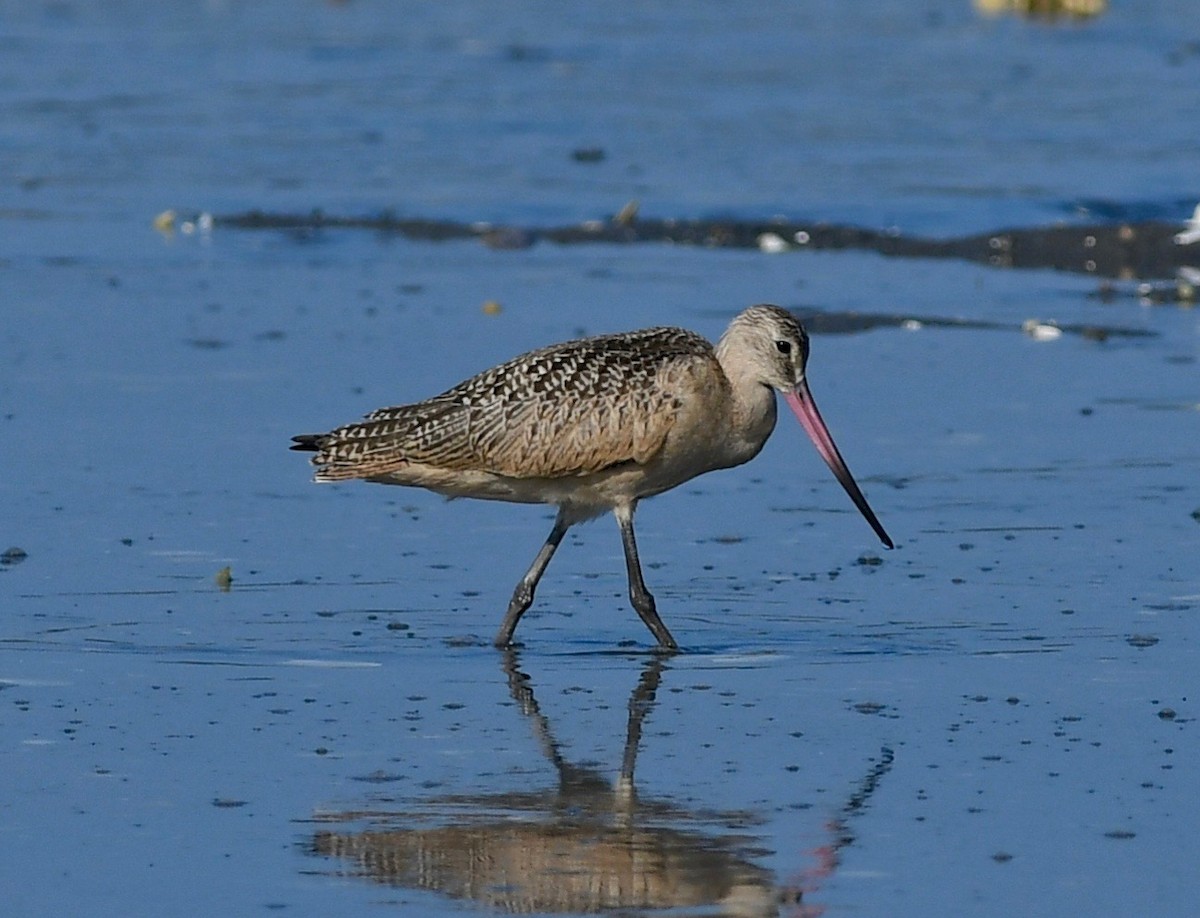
pixel 594 425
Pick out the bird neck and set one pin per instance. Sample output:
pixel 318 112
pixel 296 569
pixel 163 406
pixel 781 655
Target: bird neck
pixel 754 414
pixel 752 409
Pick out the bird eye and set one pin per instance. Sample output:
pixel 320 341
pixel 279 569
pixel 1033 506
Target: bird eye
pixel 784 347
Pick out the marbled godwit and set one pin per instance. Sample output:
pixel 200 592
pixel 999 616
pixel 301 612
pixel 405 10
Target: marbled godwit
pixel 594 425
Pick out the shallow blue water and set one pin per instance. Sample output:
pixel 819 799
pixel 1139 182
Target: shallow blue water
pixel 1026 653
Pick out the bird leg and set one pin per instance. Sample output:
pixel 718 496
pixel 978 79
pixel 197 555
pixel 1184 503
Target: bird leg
pixel 522 597
pixel 642 601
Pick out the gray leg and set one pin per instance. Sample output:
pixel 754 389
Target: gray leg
pixel 642 601
pixel 522 596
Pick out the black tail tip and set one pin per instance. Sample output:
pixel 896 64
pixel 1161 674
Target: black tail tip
pixel 307 443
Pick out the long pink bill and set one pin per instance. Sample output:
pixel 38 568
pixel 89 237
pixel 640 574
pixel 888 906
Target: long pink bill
pixel 801 402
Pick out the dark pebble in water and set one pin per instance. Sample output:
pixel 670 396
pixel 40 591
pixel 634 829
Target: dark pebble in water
pixel 869 560
pixel 1167 714
pixel 869 707
pixel 378 777
pixel 397 626
pixel 1002 857
pixel 588 155
pixel 1196 514
pixel 13 555
pixel 527 53
pixel 227 803
pixel 1141 640
pixel 1120 834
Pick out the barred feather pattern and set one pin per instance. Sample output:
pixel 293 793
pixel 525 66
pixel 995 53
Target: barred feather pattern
pixel 566 410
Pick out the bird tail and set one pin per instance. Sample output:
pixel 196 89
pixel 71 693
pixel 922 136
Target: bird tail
pixel 309 443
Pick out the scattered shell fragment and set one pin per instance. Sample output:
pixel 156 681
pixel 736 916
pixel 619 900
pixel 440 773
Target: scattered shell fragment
pixel 224 579
pixel 491 308
pixel 912 325
pixel 1191 229
pixel 627 214
pixel 165 222
pixel 772 243
pixel 1041 331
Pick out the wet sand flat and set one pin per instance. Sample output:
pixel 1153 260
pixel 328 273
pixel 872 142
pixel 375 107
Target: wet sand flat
pixel 996 717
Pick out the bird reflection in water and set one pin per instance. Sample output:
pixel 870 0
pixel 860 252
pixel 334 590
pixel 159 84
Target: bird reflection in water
pixel 585 846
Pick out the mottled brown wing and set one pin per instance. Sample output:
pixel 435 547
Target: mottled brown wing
pixel 387 440
pixel 566 410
